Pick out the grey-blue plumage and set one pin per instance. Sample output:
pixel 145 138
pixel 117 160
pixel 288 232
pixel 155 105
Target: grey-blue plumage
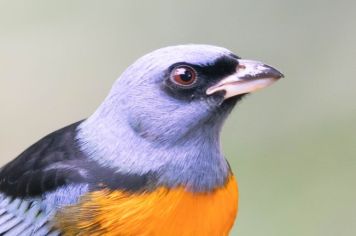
pixel 175 137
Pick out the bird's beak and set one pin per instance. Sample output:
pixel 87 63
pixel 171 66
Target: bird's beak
pixel 250 76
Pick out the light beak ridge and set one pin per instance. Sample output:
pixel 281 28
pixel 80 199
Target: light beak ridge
pixel 250 76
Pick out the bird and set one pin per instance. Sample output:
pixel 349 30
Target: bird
pixel 148 161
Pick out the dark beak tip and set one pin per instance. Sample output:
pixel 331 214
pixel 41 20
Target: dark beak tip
pixel 274 73
pixel 280 75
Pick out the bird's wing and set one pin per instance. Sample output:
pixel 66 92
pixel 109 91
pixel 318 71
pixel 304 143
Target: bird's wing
pixel 50 175
pixel 45 177
pixel 23 217
pixel 33 216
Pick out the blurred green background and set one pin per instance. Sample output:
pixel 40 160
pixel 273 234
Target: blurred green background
pixel 292 146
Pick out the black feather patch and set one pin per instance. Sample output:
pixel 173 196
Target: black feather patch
pixel 207 76
pixel 55 161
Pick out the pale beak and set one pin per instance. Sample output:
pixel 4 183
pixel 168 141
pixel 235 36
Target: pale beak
pixel 250 76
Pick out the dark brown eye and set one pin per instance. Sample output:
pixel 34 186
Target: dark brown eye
pixel 184 75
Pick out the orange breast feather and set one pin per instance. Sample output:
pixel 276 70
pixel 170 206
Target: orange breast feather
pixel 167 212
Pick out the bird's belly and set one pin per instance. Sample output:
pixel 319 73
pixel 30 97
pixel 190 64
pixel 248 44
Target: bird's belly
pixel 161 212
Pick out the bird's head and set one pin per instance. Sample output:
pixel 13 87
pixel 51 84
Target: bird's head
pixel 166 110
pixel 170 93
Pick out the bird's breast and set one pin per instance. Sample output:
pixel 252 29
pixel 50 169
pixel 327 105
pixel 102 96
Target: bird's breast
pixel 160 212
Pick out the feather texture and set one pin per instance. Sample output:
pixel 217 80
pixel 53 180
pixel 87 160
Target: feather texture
pixel 173 212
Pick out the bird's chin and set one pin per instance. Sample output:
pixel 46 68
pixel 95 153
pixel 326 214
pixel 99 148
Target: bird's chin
pixel 222 107
pixel 229 104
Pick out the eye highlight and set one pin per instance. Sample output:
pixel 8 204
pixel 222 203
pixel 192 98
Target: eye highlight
pixel 183 75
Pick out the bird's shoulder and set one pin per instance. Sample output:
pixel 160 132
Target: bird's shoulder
pixel 29 182
pixel 51 174
pixel 45 165
pixel 57 160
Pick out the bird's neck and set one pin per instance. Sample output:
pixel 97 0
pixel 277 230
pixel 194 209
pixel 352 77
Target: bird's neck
pixel 195 162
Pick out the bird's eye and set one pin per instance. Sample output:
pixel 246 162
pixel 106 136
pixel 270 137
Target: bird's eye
pixel 184 75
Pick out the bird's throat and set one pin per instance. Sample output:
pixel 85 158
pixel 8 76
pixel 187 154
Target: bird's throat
pixel 195 162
